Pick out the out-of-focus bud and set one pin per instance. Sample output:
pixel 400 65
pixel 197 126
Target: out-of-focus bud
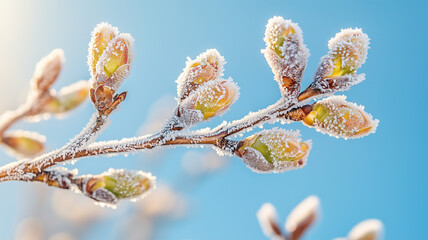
pixel 268 220
pixel 212 99
pixel 286 54
pixel 67 98
pixel 302 217
pixel 25 143
pixel 47 70
pixel 370 229
pixel 274 150
pixel 114 185
pixel 337 117
pixel 206 67
pixel 112 68
pixel 337 69
pixel 102 34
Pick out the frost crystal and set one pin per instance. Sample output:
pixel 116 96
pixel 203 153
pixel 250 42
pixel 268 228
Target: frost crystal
pixel 275 150
pixel 351 45
pixel 213 98
pixel 206 67
pixel 339 118
pixel 285 52
pixel 102 34
pixel 115 185
pixel 337 69
pixel 115 62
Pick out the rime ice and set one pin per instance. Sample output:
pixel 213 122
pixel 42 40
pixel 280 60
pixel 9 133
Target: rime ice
pixel 285 53
pixel 339 118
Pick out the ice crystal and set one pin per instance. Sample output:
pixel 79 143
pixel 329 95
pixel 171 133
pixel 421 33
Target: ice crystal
pixel 206 67
pixel 339 118
pixel 275 150
pixel 102 34
pixel 114 64
pixel 213 98
pixel 285 52
pixel 351 45
pixel 337 70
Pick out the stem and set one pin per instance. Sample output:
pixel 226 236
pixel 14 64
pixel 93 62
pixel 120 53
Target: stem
pixel 215 137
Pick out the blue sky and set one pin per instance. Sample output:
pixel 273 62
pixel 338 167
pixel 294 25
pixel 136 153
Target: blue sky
pixel 379 176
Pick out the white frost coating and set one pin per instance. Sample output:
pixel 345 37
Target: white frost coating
pixel 268 218
pixel 47 70
pixel 350 48
pixel 128 186
pixel 103 28
pixel 335 83
pixel 294 54
pixel 114 48
pixel 87 135
pixel 306 211
pixel 336 125
pixel 256 162
pixel 352 45
pixel 213 98
pixel 285 151
pixel 204 59
pixel 370 229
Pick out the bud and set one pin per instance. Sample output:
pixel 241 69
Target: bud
pixel 285 53
pixel 348 50
pixel 206 67
pixel 302 217
pixel 337 69
pixel 212 99
pixel 68 98
pixel 102 34
pixel 114 185
pixel 370 229
pixel 47 70
pixel 339 118
pixel 25 143
pixel 112 68
pixel 268 220
pixel 274 150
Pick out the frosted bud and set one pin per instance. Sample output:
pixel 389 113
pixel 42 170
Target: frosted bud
pixel 102 34
pixel 370 229
pixel 206 67
pixel 275 150
pixel 47 70
pixel 285 53
pixel 24 143
pixel 339 118
pixel 67 98
pixel 114 185
pixel 112 68
pixel 212 99
pixel 302 216
pixel 348 50
pixel 268 220
pixel 337 69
